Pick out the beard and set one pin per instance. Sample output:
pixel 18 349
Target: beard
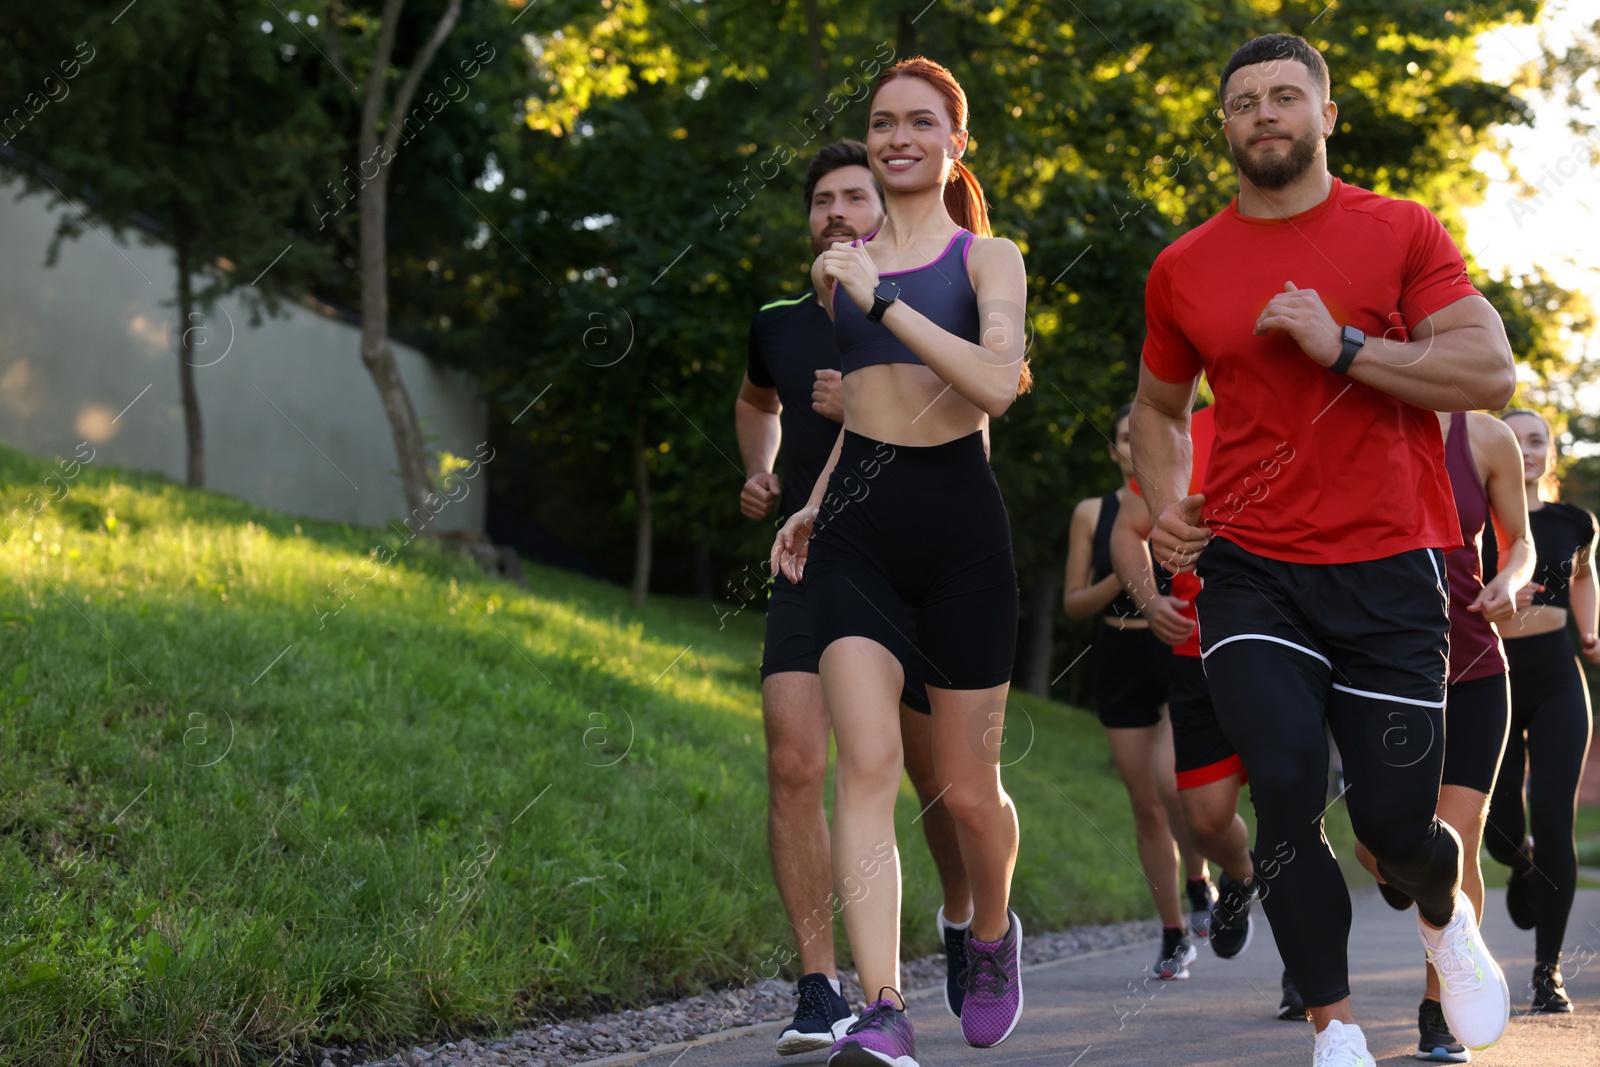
pixel 1278 172
pixel 820 245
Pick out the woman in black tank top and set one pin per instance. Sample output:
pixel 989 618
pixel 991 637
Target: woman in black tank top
pixel 908 514
pixel 1131 669
pixel 1551 721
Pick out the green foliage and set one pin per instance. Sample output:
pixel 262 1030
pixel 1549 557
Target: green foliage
pixel 1096 138
pixel 213 142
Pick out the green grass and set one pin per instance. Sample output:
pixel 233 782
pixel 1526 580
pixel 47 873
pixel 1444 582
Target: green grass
pixel 231 825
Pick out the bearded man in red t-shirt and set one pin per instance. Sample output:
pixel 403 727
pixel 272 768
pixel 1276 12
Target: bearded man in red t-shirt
pixel 1331 323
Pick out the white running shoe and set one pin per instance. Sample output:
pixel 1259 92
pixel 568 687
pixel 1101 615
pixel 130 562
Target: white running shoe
pixel 1472 989
pixel 1342 1045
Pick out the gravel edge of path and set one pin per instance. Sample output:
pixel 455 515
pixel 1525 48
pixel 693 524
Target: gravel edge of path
pixel 576 1041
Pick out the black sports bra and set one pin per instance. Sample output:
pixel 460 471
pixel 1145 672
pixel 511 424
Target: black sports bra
pixel 940 290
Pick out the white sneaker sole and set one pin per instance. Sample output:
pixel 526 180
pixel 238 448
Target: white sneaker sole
pixel 857 1056
pixel 793 1042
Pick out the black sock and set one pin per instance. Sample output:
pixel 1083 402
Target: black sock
pixel 1170 936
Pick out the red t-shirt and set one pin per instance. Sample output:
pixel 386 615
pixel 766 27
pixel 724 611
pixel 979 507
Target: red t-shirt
pixel 1202 433
pixel 1310 466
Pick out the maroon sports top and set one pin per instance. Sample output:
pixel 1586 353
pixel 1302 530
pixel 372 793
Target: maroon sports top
pixel 1475 650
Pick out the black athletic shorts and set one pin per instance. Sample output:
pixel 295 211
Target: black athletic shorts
pixel 789 645
pixel 1477 716
pixel 1130 676
pixel 1204 753
pixel 922 528
pixel 1377 626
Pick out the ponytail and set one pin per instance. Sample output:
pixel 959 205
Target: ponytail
pixel 964 199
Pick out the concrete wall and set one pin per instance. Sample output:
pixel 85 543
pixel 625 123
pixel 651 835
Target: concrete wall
pixel 292 420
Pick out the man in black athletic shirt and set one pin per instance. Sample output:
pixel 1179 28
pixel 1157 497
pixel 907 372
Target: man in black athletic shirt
pixel 792 396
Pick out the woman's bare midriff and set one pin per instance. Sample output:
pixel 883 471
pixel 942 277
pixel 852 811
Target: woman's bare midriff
pixel 1532 620
pixel 906 404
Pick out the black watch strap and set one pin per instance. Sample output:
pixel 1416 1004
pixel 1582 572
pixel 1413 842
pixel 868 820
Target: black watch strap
pixel 886 294
pixel 1353 340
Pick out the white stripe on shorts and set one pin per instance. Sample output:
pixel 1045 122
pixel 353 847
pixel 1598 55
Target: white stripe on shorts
pixel 1267 637
pixel 1386 696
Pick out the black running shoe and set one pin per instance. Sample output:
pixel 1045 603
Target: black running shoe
pixel 1231 929
pixel 1177 952
pixel 1519 899
pixel 1549 989
pixel 955 964
pixel 1202 898
pixel 1435 1042
pixel 820 1019
pixel 1293 1008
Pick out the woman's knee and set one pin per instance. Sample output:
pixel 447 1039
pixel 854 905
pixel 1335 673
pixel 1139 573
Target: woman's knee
pixel 974 803
pixel 1150 818
pixel 876 764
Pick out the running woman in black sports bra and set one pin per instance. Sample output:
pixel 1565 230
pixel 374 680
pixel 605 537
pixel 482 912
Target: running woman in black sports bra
pixel 1551 720
pixel 1132 670
pixel 909 513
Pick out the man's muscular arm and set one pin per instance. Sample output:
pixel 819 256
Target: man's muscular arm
pixel 1458 358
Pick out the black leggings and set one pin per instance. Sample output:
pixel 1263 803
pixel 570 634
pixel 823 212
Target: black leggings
pixel 1550 727
pixel 1361 648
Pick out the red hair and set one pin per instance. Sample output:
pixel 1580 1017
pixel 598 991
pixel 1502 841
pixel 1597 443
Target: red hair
pixel 963 196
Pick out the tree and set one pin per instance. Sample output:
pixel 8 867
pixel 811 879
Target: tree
pixel 212 144
pixel 385 113
pixel 1098 144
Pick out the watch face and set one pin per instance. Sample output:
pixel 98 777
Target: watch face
pixel 887 290
pixel 1354 336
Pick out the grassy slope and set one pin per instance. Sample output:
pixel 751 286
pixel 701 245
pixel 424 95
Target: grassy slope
pixel 200 860
pixel 202 857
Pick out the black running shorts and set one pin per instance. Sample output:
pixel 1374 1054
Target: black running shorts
pixel 1477 716
pixel 1131 668
pixel 790 647
pixel 922 528
pixel 1377 626
pixel 1204 753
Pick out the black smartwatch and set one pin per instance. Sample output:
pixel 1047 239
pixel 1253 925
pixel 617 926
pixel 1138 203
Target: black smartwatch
pixel 1353 340
pixel 885 294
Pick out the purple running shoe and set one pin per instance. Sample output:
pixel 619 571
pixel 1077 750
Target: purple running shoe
pixel 883 1035
pixel 993 1005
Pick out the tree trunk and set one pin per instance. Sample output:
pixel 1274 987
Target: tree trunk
pixel 193 431
pixel 906 41
pixel 376 355
pixel 183 253
pixel 1041 631
pixel 819 60
pixel 381 120
pixel 642 532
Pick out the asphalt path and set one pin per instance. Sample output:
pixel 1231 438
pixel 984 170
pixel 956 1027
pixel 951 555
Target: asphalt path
pixel 1098 1011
